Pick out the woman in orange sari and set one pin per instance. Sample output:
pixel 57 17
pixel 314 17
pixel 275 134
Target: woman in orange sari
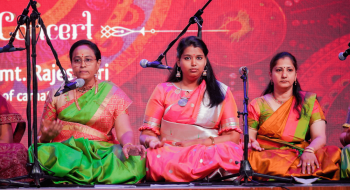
pixel 13 155
pixel 191 125
pixel 287 128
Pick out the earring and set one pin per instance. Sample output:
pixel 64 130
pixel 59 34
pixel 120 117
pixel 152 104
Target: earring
pixel 271 82
pixel 178 74
pixel 295 83
pixel 204 74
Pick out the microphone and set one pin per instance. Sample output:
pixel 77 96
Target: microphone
pixel 342 55
pixel 243 70
pixel 9 48
pixel 155 64
pixel 71 86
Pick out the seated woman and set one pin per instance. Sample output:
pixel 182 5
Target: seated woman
pixel 13 155
pixel 287 128
pixel 79 124
pixel 195 116
pixel 345 154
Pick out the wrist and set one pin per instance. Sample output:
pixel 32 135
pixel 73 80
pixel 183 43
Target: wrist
pixel 126 144
pixel 42 139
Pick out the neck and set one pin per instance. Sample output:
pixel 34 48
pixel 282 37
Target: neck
pixel 189 84
pixel 283 94
pixel 90 82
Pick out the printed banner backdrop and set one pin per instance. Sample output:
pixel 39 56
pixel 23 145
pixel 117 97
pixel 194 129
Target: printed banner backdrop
pixel 237 32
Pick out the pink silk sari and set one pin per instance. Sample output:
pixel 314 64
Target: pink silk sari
pixel 196 120
pixel 13 156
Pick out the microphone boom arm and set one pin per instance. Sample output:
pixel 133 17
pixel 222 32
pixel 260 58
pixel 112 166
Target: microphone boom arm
pixel 195 19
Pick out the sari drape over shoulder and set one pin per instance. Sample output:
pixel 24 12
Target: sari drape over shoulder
pixel 196 120
pixel 86 151
pixel 284 138
pixel 13 156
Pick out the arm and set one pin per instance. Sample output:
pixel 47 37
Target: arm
pixel 150 130
pixel 345 135
pixel 308 159
pixel 318 135
pixel 253 123
pixel 125 136
pixel 6 133
pixel 50 126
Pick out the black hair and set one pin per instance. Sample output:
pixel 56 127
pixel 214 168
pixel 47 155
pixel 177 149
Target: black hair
pixel 213 89
pixel 296 87
pixel 92 45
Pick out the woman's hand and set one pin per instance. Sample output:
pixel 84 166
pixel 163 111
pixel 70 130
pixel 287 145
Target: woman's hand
pixel 309 162
pixel 50 129
pixel 187 143
pixel 134 150
pixel 155 143
pixel 255 145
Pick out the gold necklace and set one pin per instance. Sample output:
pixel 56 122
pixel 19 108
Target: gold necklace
pixel 278 101
pixel 84 89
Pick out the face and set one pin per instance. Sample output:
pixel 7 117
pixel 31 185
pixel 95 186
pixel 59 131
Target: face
pixel 192 63
pixel 84 63
pixel 283 74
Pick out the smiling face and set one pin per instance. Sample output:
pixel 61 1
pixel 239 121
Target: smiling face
pixel 283 74
pixel 88 65
pixel 192 63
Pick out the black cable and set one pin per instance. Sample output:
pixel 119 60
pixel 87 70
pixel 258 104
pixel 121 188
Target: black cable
pixel 53 173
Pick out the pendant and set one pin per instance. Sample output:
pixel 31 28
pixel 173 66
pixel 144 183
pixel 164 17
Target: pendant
pixel 182 102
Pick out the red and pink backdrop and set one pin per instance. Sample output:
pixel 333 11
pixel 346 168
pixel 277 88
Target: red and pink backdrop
pixel 237 32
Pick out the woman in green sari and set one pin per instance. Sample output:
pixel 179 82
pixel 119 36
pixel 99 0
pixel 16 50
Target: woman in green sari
pixel 76 140
pixel 345 153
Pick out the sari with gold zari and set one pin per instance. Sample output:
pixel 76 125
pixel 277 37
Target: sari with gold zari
pixel 86 151
pixel 284 138
pixel 13 156
pixel 196 120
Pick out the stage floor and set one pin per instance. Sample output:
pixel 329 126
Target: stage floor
pixel 323 185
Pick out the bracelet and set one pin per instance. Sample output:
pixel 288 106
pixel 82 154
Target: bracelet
pixel 310 148
pixel 127 144
pixel 212 140
pixel 310 151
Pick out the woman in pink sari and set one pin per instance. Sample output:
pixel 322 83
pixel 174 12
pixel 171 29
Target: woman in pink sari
pixel 191 125
pixel 13 155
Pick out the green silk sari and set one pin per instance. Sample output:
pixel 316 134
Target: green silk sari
pixel 86 151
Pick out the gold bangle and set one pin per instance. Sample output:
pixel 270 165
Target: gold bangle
pixel 127 144
pixel 212 140
pixel 310 151
pixel 310 148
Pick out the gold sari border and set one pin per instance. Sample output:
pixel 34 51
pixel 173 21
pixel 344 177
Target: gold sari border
pixel 69 126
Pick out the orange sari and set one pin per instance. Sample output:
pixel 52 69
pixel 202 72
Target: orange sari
pixel 284 138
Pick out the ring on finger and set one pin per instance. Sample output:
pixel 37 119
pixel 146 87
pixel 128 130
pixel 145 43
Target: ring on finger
pixel 308 164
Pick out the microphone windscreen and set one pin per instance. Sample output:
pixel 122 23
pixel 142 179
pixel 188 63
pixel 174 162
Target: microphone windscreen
pixel 143 63
pixel 341 56
pixel 80 83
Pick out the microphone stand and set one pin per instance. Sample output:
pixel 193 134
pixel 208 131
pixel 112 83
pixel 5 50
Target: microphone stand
pixel 245 170
pixel 36 172
pixel 197 18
